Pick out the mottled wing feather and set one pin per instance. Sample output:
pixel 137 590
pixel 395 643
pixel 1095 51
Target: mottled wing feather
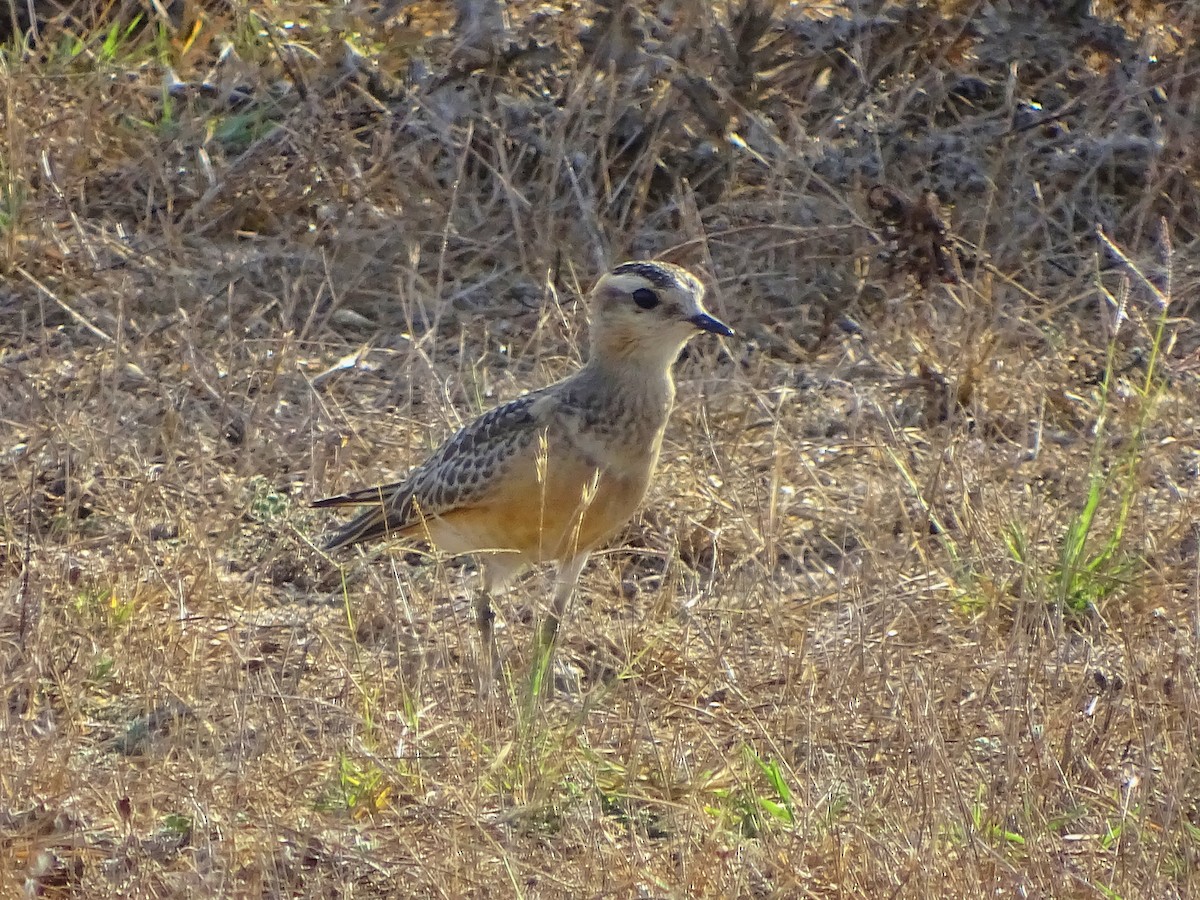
pixel 459 474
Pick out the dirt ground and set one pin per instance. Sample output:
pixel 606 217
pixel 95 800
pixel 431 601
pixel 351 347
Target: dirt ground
pixel 911 609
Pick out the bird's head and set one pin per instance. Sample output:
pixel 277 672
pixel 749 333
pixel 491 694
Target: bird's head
pixel 647 311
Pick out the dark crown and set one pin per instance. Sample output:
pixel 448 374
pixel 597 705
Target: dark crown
pixel 658 276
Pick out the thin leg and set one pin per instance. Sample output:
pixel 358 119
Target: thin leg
pixel 564 588
pixel 498 572
pixel 485 618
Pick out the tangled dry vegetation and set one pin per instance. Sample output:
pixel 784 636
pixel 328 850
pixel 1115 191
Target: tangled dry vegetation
pixel 912 608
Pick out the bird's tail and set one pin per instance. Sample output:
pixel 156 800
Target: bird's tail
pixel 373 522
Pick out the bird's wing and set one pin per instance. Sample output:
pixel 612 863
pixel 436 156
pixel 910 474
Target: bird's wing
pixel 459 474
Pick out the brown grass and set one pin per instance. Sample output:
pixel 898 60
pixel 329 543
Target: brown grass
pixel 835 656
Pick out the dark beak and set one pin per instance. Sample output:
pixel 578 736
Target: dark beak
pixel 705 322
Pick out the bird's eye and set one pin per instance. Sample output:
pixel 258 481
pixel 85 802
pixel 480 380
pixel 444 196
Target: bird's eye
pixel 646 298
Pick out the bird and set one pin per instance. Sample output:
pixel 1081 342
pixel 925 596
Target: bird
pixel 551 475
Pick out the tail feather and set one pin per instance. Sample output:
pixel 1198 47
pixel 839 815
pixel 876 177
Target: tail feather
pixel 372 522
pixel 361 497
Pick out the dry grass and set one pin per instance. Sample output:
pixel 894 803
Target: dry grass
pixel 845 651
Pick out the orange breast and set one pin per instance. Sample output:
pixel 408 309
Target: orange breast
pixel 543 519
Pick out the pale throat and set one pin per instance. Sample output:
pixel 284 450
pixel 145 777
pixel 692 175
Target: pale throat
pixel 635 356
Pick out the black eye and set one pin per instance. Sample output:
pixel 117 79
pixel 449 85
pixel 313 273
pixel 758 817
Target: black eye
pixel 646 298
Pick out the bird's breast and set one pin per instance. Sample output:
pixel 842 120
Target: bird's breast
pixel 567 498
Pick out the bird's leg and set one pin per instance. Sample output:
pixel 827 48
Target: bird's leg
pixel 568 577
pixel 564 587
pixel 485 618
pixel 497 573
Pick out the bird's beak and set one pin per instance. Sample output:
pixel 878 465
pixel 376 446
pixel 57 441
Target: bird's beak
pixel 705 322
